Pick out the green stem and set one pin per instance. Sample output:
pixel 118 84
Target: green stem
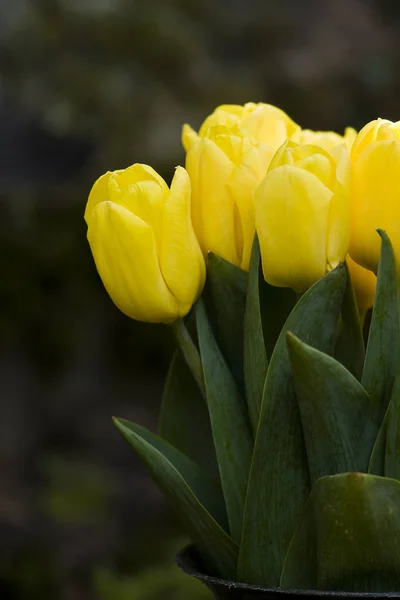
pixel 190 352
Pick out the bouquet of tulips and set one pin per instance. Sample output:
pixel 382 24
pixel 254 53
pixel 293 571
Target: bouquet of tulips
pixel 279 432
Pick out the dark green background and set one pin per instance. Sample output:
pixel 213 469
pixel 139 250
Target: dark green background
pixel 91 85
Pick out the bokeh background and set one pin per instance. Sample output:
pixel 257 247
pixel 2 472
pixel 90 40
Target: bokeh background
pixel 92 85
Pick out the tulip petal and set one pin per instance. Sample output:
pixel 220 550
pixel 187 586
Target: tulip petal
pixel 141 190
pixel 244 180
pixel 291 211
pixel 124 251
pixel 339 219
pixel 364 283
pixel 375 131
pixel 189 136
pixel 311 158
pixel 181 259
pixel 267 124
pixel 135 174
pixel 212 206
pixel 350 135
pixel 375 197
pixel 98 193
pixel 227 115
pixel 324 139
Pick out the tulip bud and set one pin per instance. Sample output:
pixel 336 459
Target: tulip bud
pixel 225 168
pixel 143 243
pixel 375 201
pixel 226 161
pixel 325 139
pixel 302 214
pixel 375 131
pixel 364 284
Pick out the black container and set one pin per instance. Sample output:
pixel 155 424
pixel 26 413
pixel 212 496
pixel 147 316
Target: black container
pixel 190 562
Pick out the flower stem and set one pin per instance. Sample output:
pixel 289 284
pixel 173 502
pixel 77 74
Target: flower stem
pixel 190 352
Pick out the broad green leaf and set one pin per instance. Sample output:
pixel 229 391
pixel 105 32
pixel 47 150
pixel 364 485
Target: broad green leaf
pixel 255 355
pixel 383 348
pixel 188 349
pixel 196 499
pixel 348 538
pixel 276 304
pixel 184 420
pixel 385 458
pixel 279 479
pixel 338 431
pixel 377 460
pixel 225 297
pixel 392 448
pixel 349 348
pixel 231 431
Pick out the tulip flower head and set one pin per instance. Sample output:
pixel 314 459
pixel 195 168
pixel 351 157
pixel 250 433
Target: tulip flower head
pixel 143 243
pixel 375 191
pixel 375 202
pixel 226 161
pixel 225 168
pixel 302 214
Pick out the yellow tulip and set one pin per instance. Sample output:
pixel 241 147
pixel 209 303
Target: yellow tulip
pixel 302 214
pixel 263 123
pixel 226 161
pixel 364 284
pixel 325 139
pixel 375 202
pixel 375 131
pixel 225 167
pixel 143 243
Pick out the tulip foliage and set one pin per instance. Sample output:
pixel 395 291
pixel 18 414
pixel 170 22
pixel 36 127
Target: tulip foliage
pixel 279 432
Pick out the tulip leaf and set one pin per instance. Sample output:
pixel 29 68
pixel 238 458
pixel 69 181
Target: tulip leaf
pixel 225 297
pixel 184 420
pixel 338 432
pixel 349 349
pixel 392 447
pixel 231 430
pixel 255 355
pixel 377 460
pixel 383 348
pixel 348 538
pixel 276 305
pixel 385 458
pixel 279 480
pixel 196 499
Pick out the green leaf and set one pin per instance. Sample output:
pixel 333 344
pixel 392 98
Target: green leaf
pixel 225 296
pixel 194 496
pixel 255 355
pixel 232 437
pixel 279 479
pixel 392 449
pixel 348 538
pixel 184 420
pixel 349 349
pixel 385 456
pixel 383 348
pixel 377 460
pixel 338 432
pixel 276 304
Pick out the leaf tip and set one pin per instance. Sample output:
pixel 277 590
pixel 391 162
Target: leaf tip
pixel 292 341
pixel 382 233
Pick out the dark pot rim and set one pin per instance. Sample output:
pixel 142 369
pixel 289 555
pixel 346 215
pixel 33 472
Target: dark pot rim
pixel 188 559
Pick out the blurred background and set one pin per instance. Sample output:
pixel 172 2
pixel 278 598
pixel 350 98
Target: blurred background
pixel 93 85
